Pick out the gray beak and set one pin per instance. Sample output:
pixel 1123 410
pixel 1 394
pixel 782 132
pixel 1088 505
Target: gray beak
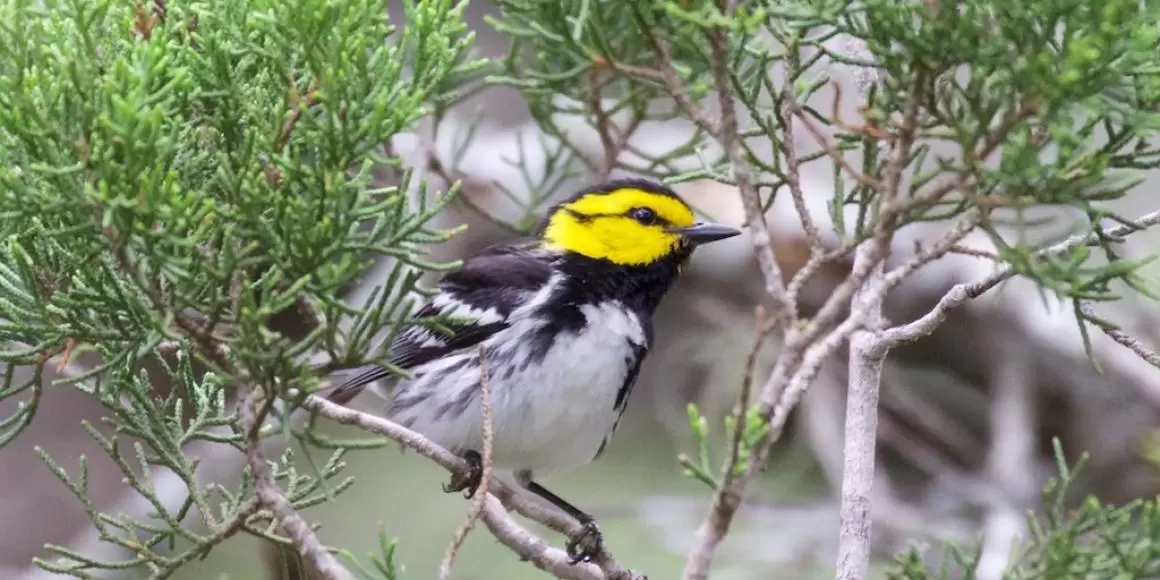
pixel 703 233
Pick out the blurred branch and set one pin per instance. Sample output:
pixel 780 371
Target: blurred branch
pixel 1011 453
pixel 1123 338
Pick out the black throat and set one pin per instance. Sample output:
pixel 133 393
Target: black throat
pixel 640 288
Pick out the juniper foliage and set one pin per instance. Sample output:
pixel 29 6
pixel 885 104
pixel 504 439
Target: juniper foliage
pixel 172 177
pixel 1002 110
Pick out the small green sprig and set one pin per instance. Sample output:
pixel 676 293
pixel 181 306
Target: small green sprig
pixel 698 469
pixel 383 563
pixel 753 430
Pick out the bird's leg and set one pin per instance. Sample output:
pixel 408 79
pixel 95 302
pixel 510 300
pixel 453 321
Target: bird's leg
pixel 584 546
pixel 469 483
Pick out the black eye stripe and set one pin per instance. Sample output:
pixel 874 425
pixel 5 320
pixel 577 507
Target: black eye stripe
pixel 580 217
pixel 587 217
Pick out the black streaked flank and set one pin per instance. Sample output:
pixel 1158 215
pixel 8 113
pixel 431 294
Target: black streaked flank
pixel 633 362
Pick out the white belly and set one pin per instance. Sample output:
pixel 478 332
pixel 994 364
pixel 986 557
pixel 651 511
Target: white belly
pixel 548 415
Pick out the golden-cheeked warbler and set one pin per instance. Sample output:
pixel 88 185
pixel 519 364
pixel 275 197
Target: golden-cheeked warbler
pixel 564 320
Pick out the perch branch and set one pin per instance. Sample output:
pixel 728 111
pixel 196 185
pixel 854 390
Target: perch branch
pixel 604 566
pixel 533 548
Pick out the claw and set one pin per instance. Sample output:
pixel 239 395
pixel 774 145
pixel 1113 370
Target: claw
pixel 469 483
pixel 586 545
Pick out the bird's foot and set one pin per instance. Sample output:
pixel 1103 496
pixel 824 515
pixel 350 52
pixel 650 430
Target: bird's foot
pixel 469 483
pixel 584 546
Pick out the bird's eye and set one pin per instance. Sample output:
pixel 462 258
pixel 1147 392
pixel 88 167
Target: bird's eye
pixel 644 215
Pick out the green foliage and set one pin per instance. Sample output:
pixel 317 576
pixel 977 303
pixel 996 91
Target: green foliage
pixel 1094 541
pixel 700 469
pixel 174 175
pixel 1049 103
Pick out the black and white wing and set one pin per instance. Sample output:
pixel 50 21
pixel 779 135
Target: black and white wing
pixel 481 296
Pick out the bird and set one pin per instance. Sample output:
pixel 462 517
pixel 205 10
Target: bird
pixel 563 321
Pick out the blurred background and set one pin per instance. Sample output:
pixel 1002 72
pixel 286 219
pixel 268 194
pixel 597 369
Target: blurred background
pixel 967 414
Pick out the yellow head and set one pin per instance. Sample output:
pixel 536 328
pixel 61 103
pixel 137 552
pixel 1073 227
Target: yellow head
pixel 629 222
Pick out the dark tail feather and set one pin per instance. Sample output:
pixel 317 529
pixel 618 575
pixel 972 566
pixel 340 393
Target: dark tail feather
pixel 363 376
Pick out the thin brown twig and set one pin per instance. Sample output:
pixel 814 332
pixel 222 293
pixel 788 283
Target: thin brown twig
pixel 793 177
pixel 868 128
pixel 603 125
pixel 672 79
pixel 833 152
pixel 727 499
pixel 298 103
pixel 613 139
pixel 485 479
pixel 628 69
pixel 764 326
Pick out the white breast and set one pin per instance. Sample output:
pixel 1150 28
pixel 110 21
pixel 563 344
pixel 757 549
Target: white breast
pixel 552 414
pixel 569 407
